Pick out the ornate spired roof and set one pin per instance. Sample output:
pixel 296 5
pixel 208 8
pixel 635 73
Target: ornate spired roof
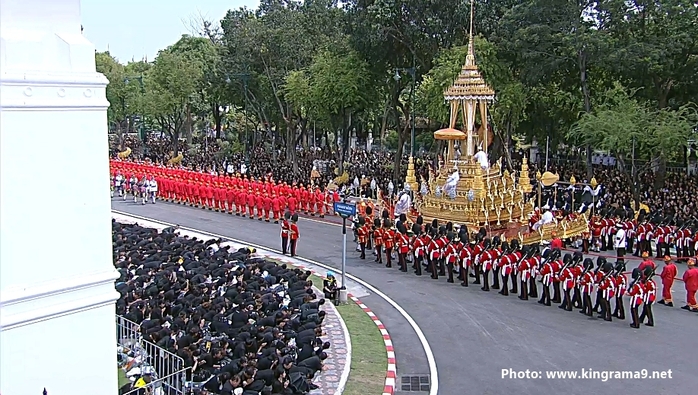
pixel 469 85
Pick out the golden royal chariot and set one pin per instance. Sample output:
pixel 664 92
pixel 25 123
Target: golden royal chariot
pixel 466 189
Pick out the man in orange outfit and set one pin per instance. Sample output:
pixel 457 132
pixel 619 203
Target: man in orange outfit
pixel 690 279
pixel 668 273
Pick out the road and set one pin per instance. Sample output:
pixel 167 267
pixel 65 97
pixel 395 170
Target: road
pixel 475 335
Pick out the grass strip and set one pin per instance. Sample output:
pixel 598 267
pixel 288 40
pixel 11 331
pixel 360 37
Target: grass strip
pixel 369 360
pixel 122 379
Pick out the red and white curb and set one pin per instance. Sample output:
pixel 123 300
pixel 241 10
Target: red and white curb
pixel 391 374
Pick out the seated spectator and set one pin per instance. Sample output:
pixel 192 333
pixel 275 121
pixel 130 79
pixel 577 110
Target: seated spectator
pixel 242 325
pixel 329 286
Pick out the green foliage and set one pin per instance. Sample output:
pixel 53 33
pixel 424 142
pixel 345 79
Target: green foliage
pixel 296 63
pixel 621 121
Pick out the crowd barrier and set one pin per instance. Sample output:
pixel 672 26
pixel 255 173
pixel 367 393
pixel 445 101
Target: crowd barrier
pixel 167 370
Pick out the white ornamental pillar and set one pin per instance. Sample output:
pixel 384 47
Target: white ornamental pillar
pixel 57 327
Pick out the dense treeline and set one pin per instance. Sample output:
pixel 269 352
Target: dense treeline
pixel 607 74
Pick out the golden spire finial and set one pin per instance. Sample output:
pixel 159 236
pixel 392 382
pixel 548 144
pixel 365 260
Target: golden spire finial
pixel 470 58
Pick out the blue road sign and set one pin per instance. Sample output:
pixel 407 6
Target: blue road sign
pixel 345 210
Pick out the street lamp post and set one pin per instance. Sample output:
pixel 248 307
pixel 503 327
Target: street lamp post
pixel 244 77
pixel 412 71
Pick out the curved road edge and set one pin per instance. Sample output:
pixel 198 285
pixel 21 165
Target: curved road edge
pixel 431 360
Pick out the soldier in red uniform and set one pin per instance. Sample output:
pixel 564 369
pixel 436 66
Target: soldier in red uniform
pixel 524 269
pixel 222 197
pixel 418 247
pixel 607 288
pixel 295 234
pixel 230 198
pixel 312 203
pixel 266 205
pixel 433 250
pixel 464 256
pixel 209 196
pixel 650 295
pixel 621 282
pixel 388 241
pixel 259 204
pixel 487 260
pixel 378 240
pixel 275 207
pixel 586 284
pixel 292 202
pixel 285 230
pixel 547 273
pixel 362 235
pixel 403 247
pixel 636 293
pixel 442 242
pixel 240 201
pixel 450 255
pixel 690 279
pixel 668 274
pixel 566 280
pixel 320 202
pixel 507 263
pixel 250 203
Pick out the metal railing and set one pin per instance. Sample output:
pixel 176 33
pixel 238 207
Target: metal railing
pixel 167 371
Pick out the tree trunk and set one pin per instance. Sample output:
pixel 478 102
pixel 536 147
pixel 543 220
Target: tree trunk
pixel 398 157
pixel 582 62
pixel 189 125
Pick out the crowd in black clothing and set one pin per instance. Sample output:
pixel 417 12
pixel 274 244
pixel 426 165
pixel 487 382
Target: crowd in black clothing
pixel 243 325
pixel 676 196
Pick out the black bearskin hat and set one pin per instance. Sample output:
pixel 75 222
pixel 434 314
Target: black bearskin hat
pixel 403 218
pixel 376 222
pixel 449 226
pixel 420 220
pixel 607 267
pixel 578 256
pixel 416 229
pixel 362 221
pixel 385 214
pixel 402 229
pixel 450 236
pixel 369 210
pixel 287 215
pixel 567 258
pixel 294 218
pixel 648 272
pixel 505 246
pixel 588 264
pixel 636 273
pixel 387 223
pixel 435 223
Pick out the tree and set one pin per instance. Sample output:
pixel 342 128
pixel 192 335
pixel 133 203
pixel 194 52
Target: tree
pixel 122 96
pixel 628 129
pixel 333 89
pixel 169 88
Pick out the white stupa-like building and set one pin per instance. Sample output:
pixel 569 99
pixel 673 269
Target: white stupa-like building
pixel 57 328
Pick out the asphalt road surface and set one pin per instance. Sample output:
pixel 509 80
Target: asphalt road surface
pixel 476 335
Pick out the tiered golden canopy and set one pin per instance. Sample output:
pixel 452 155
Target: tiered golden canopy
pixel 480 194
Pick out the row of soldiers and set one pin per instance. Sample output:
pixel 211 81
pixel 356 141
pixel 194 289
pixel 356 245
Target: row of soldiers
pixel 665 231
pixel 570 280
